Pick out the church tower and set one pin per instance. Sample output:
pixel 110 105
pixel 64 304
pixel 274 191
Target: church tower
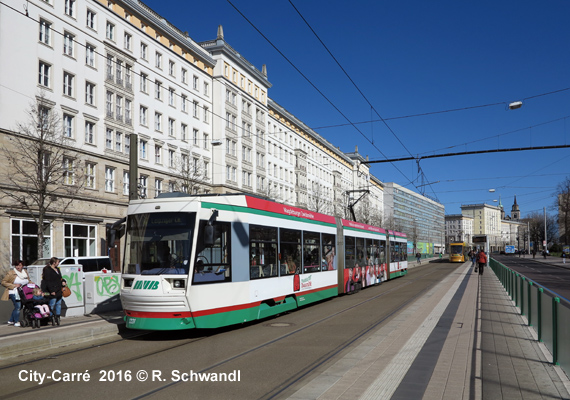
pixel 515 212
pixel 502 209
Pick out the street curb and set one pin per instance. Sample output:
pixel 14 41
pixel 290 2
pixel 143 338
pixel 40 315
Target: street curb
pixel 30 342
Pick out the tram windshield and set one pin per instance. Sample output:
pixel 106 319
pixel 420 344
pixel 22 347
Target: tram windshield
pixel 456 249
pixel 159 243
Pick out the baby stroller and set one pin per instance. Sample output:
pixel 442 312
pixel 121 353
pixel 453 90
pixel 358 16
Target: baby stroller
pixel 31 314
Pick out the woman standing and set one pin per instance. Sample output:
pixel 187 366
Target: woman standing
pixel 52 283
pixel 14 279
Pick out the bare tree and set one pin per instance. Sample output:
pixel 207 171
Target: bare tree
pixel 536 225
pixel 562 203
pixel 318 200
pixel 44 176
pixel 191 174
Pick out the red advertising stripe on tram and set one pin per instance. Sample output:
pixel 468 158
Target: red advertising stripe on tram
pixel 365 227
pixel 264 205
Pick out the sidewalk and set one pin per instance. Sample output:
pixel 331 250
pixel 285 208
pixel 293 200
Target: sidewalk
pixel 73 330
pixel 473 344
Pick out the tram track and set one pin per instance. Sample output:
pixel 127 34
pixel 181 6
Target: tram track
pixel 182 346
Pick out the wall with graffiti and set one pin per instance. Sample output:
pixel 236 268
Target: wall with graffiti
pixel 89 291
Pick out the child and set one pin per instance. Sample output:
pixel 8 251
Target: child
pixel 41 302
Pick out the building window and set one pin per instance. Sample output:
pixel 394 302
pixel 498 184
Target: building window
pixel 45 32
pixel 89 132
pixel 109 139
pixel 157 90
pixel 144 51
pixel 80 240
pixel 158 186
pixel 109 104
pixel 158 60
pixel 44 74
pixel 195 83
pixel 24 235
pixel 171 158
pixel 90 175
pixel 118 141
pixel 171 68
pixel 184 74
pixel 90 55
pixel 68 84
pixel 142 115
pixel 126 178
pixel 110 31
pixel 128 117
pixel 143 83
pixel 128 41
pixel 171 97
pixel 68 44
pixel 142 149
pixel 91 20
pixel 183 132
pixel 184 100
pixel 70 7
pixel 109 179
pixel 158 121
pixel 90 93
pixel 206 141
pixel 171 130
pixel 68 172
pixel 67 125
pixel 158 154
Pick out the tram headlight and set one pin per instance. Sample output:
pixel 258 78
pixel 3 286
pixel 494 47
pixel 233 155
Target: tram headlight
pixel 178 284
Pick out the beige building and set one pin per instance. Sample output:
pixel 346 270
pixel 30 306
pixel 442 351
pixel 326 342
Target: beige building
pixel 201 114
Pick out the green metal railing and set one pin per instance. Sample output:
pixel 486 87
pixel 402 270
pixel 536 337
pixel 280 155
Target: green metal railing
pixel 547 313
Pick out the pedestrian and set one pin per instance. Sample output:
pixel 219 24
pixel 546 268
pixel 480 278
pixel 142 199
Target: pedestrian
pixel 563 258
pixel 544 254
pixel 14 279
pixel 474 259
pixel 482 260
pixel 52 283
pixel 533 253
pixel 419 257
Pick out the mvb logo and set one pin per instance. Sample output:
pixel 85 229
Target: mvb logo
pixel 149 285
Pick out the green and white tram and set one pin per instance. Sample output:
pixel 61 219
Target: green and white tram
pixel 210 261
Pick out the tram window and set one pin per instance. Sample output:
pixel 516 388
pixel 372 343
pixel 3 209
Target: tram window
pixel 394 251
pixel 372 252
pixel 311 252
pixel 382 252
pixel 329 252
pixel 290 246
pixel 360 249
pixel 213 264
pixel 263 252
pixel 349 252
pixel 159 243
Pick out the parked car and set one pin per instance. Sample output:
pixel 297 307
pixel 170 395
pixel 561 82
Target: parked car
pixel 90 264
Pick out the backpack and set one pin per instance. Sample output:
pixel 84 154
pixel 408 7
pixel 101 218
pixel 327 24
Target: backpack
pixel 482 258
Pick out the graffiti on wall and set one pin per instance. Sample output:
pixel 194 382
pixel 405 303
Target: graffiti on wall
pixel 107 285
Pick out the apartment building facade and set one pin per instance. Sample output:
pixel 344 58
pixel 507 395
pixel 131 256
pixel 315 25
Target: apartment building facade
pixel 201 114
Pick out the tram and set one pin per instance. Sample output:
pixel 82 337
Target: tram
pixel 458 252
pixel 207 261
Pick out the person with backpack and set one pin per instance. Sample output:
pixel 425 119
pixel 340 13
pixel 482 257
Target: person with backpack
pixel 482 260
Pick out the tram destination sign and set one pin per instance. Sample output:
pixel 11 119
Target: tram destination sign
pixel 480 239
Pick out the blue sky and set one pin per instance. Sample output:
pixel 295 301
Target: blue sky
pixel 417 57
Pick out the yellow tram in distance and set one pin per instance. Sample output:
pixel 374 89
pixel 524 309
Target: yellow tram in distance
pixel 458 251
